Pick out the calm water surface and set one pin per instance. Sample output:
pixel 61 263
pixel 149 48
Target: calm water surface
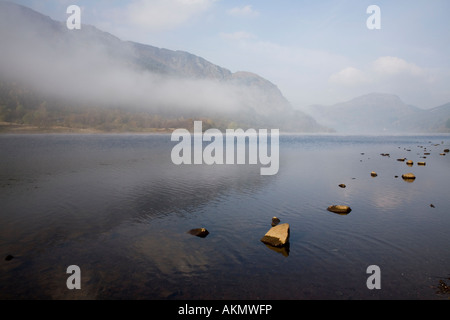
pixel 117 207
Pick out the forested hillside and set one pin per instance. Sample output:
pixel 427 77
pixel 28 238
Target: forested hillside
pixel 21 106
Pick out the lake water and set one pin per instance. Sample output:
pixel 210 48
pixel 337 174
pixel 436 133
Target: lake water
pixel 117 207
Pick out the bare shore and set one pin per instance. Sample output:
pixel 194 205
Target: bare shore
pixel 14 128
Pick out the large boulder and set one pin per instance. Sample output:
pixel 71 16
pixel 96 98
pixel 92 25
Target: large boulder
pixel 277 236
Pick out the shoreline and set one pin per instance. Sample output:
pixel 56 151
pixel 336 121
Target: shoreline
pixel 8 128
pixel 14 128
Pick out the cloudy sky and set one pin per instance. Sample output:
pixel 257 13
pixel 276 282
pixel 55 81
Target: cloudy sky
pixel 316 52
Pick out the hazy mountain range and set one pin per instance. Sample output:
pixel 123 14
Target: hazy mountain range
pixel 381 113
pixel 51 75
pixel 89 67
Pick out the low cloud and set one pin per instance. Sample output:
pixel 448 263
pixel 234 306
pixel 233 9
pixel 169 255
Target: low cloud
pixel 105 74
pixel 392 66
pixel 380 70
pixel 349 77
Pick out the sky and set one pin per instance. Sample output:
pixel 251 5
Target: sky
pixel 316 52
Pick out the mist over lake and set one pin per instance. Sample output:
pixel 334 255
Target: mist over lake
pixel 117 207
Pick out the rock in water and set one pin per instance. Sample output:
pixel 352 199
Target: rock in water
pixel 409 162
pixel 275 221
pixel 201 232
pixel 340 209
pixel 277 236
pixel 343 186
pixel 409 177
pixel 421 163
pixel 374 174
pixel 447 150
pixel 9 257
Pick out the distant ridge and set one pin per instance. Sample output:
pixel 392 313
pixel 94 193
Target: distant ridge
pixel 381 113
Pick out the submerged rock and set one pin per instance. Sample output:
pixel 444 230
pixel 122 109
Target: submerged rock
pixel 443 287
pixel 275 221
pixel 432 206
pixel 200 232
pixel 277 236
pixel 340 209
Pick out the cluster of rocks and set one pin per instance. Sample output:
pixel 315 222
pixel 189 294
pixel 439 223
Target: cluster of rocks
pixel 277 236
pixel 408 177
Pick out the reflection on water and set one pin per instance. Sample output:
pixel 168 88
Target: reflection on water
pixel 282 250
pixel 116 206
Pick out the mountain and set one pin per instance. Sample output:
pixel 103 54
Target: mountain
pixel 89 68
pixel 380 113
pixel 435 120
